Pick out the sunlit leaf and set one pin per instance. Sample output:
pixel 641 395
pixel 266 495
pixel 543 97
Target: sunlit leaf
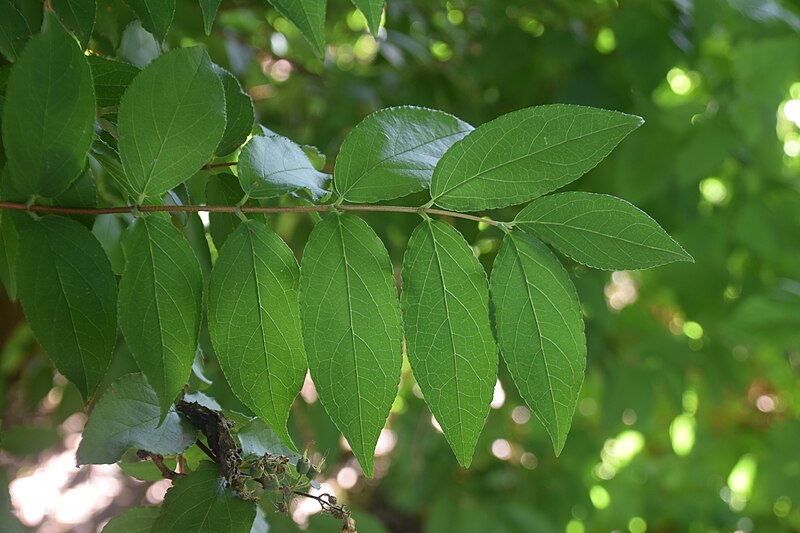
pixel 254 321
pixel 171 119
pixel 525 154
pixel 600 231
pixel 393 152
pixel 272 165
pixel 540 330
pixel 448 337
pixel 160 303
pixel 351 328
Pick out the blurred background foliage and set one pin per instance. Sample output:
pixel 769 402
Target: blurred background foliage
pixel 689 415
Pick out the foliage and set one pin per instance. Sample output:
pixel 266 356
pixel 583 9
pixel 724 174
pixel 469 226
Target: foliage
pixel 181 132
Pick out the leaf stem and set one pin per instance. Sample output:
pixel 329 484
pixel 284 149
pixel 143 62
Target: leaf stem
pixel 15 206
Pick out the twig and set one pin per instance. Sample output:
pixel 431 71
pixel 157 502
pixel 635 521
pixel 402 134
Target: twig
pixel 15 206
pixel 158 460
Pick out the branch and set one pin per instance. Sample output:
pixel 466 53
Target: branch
pixel 243 209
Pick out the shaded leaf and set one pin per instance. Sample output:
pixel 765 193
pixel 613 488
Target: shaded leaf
pixel 393 152
pixel 14 30
pixel 309 17
pixel 525 154
pixel 239 113
pixel 160 303
pixel 254 322
pixel 222 189
pixel 111 79
pixel 134 520
pixel 156 15
pixel 209 9
pixel 171 119
pixel 600 231
pixel 108 229
pixel 69 295
pixel 78 16
pixel 540 330
pixel 270 166
pixel 127 416
pixel 449 340
pixel 200 503
pixel 351 328
pixel 9 244
pixel 258 439
pixel 47 132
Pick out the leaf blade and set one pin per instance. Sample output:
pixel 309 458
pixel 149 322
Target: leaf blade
pixel 258 267
pixel 160 300
pixel 46 145
pixel 348 292
pixel 111 78
pixel 78 16
pixel 600 231
pixel 69 295
pixel 127 416
pixel 200 502
pixel 163 139
pixel 539 330
pixel 525 154
pixel 405 143
pixel 156 16
pixel 449 340
pixel 209 9
pixel 309 17
pixel 272 165
pixel 372 11
pixel 239 113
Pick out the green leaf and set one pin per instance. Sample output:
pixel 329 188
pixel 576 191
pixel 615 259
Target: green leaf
pixel 274 165
pixel 209 9
pixel 78 16
pixel 254 322
pixel 540 330
pixel 82 193
pixel 170 121
pixel 156 15
pixel 525 154
pixel 309 17
pixel 200 503
pixel 449 339
pixel 160 303
pixel 14 30
pixel 9 244
pixel 108 229
pixel 111 78
pixel 239 113
pixel 393 152
pixel 127 416
pixel 134 520
pixel 351 328
pixel 48 116
pixel 222 189
pixel 258 439
pixel 372 10
pixel 600 231
pixel 69 295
